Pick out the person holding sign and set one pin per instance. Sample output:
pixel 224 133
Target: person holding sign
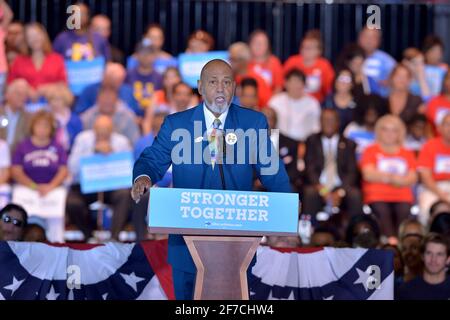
pixel 434 169
pixel 81 43
pixel 388 171
pixel 215 114
pixel 39 162
pixel 100 140
pixel 39 167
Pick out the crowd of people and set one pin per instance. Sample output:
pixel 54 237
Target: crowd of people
pixel 365 139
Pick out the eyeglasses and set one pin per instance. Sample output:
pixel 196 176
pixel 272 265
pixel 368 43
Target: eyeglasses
pixel 16 222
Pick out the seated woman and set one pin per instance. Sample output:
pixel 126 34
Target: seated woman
pixel 39 163
pixel 342 99
pixel 400 101
pixel 41 66
pixel 69 124
pixel 389 172
pixel 263 62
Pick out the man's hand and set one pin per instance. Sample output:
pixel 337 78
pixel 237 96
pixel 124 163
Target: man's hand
pixel 141 185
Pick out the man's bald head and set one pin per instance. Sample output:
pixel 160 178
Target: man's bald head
pixel 213 65
pixel 217 85
pixel 103 127
pixel 114 75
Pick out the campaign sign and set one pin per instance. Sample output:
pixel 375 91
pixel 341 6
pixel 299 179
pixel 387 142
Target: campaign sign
pixel 191 64
pixel 101 173
pixel 442 164
pixel 194 211
pixel 81 74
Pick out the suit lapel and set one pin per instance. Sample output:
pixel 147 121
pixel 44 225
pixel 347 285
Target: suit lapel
pixel 320 152
pixel 199 115
pixel 231 120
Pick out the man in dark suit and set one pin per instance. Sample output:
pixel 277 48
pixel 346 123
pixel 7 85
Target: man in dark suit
pixel 331 170
pixel 204 124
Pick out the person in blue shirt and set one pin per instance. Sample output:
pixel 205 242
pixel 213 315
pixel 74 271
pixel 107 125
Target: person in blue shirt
pixel 113 77
pixel 378 64
pixel 144 79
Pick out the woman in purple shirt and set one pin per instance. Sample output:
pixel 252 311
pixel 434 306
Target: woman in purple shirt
pixel 39 162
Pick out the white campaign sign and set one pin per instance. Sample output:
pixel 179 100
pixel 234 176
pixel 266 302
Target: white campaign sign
pixel 50 206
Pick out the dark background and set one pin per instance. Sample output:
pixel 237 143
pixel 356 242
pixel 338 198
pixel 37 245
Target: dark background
pixel 404 23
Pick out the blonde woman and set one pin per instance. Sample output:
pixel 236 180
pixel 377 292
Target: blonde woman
pixel 60 101
pixel 389 172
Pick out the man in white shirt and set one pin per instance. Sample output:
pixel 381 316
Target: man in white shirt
pixel 101 140
pixel 298 113
pixel 108 103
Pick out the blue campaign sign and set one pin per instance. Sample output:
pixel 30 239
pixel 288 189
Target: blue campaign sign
pixel 82 73
pixel 190 64
pixel 99 173
pixel 243 212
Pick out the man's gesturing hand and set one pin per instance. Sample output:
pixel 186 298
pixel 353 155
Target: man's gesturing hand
pixel 140 186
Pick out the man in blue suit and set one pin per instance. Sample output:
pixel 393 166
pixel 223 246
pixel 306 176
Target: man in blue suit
pixel 200 126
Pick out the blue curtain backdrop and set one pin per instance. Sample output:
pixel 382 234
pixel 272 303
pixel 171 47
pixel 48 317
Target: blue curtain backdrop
pixel 403 24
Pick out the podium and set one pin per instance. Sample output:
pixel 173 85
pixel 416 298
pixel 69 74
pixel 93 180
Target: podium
pixel 222 230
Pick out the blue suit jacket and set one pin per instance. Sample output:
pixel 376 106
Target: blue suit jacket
pixel 155 160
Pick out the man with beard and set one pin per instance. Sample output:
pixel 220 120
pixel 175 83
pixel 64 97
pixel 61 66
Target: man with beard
pixel 433 283
pixel 215 115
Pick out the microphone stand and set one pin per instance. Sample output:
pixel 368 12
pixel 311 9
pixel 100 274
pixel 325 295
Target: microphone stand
pixel 222 176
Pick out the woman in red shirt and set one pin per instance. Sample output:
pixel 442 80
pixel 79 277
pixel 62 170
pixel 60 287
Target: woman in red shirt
pixel 41 66
pixel 439 106
pixel 389 172
pixel 318 70
pixel 263 62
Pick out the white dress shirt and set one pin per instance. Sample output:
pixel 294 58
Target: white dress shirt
pixel 328 143
pixel 210 117
pixel 297 118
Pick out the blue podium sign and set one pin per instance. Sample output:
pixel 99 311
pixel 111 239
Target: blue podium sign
pixel 100 173
pixel 191 64
pixel 192 211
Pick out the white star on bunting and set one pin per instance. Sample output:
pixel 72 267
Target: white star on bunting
pixel 14 285
pixel 52 295
pixel 132 280
pixel 362 278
